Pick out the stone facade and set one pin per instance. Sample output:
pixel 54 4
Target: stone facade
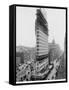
pixel 41 28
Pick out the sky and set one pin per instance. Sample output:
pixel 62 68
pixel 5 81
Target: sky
pixel 57 25
pixel 25 26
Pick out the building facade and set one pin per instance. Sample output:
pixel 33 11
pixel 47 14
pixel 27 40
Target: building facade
pixel 41 29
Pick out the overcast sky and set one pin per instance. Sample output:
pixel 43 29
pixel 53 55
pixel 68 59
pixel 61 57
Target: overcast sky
pixel 57 25
pixel 25 26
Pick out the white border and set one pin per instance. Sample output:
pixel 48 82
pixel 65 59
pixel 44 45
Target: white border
pixel 41 81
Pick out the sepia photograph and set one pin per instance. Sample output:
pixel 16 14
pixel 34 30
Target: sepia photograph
pixel 40 44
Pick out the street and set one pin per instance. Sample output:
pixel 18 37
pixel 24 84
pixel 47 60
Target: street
pixel 52 74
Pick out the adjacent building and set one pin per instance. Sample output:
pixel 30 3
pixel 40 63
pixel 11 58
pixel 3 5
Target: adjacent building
pixel 54 51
